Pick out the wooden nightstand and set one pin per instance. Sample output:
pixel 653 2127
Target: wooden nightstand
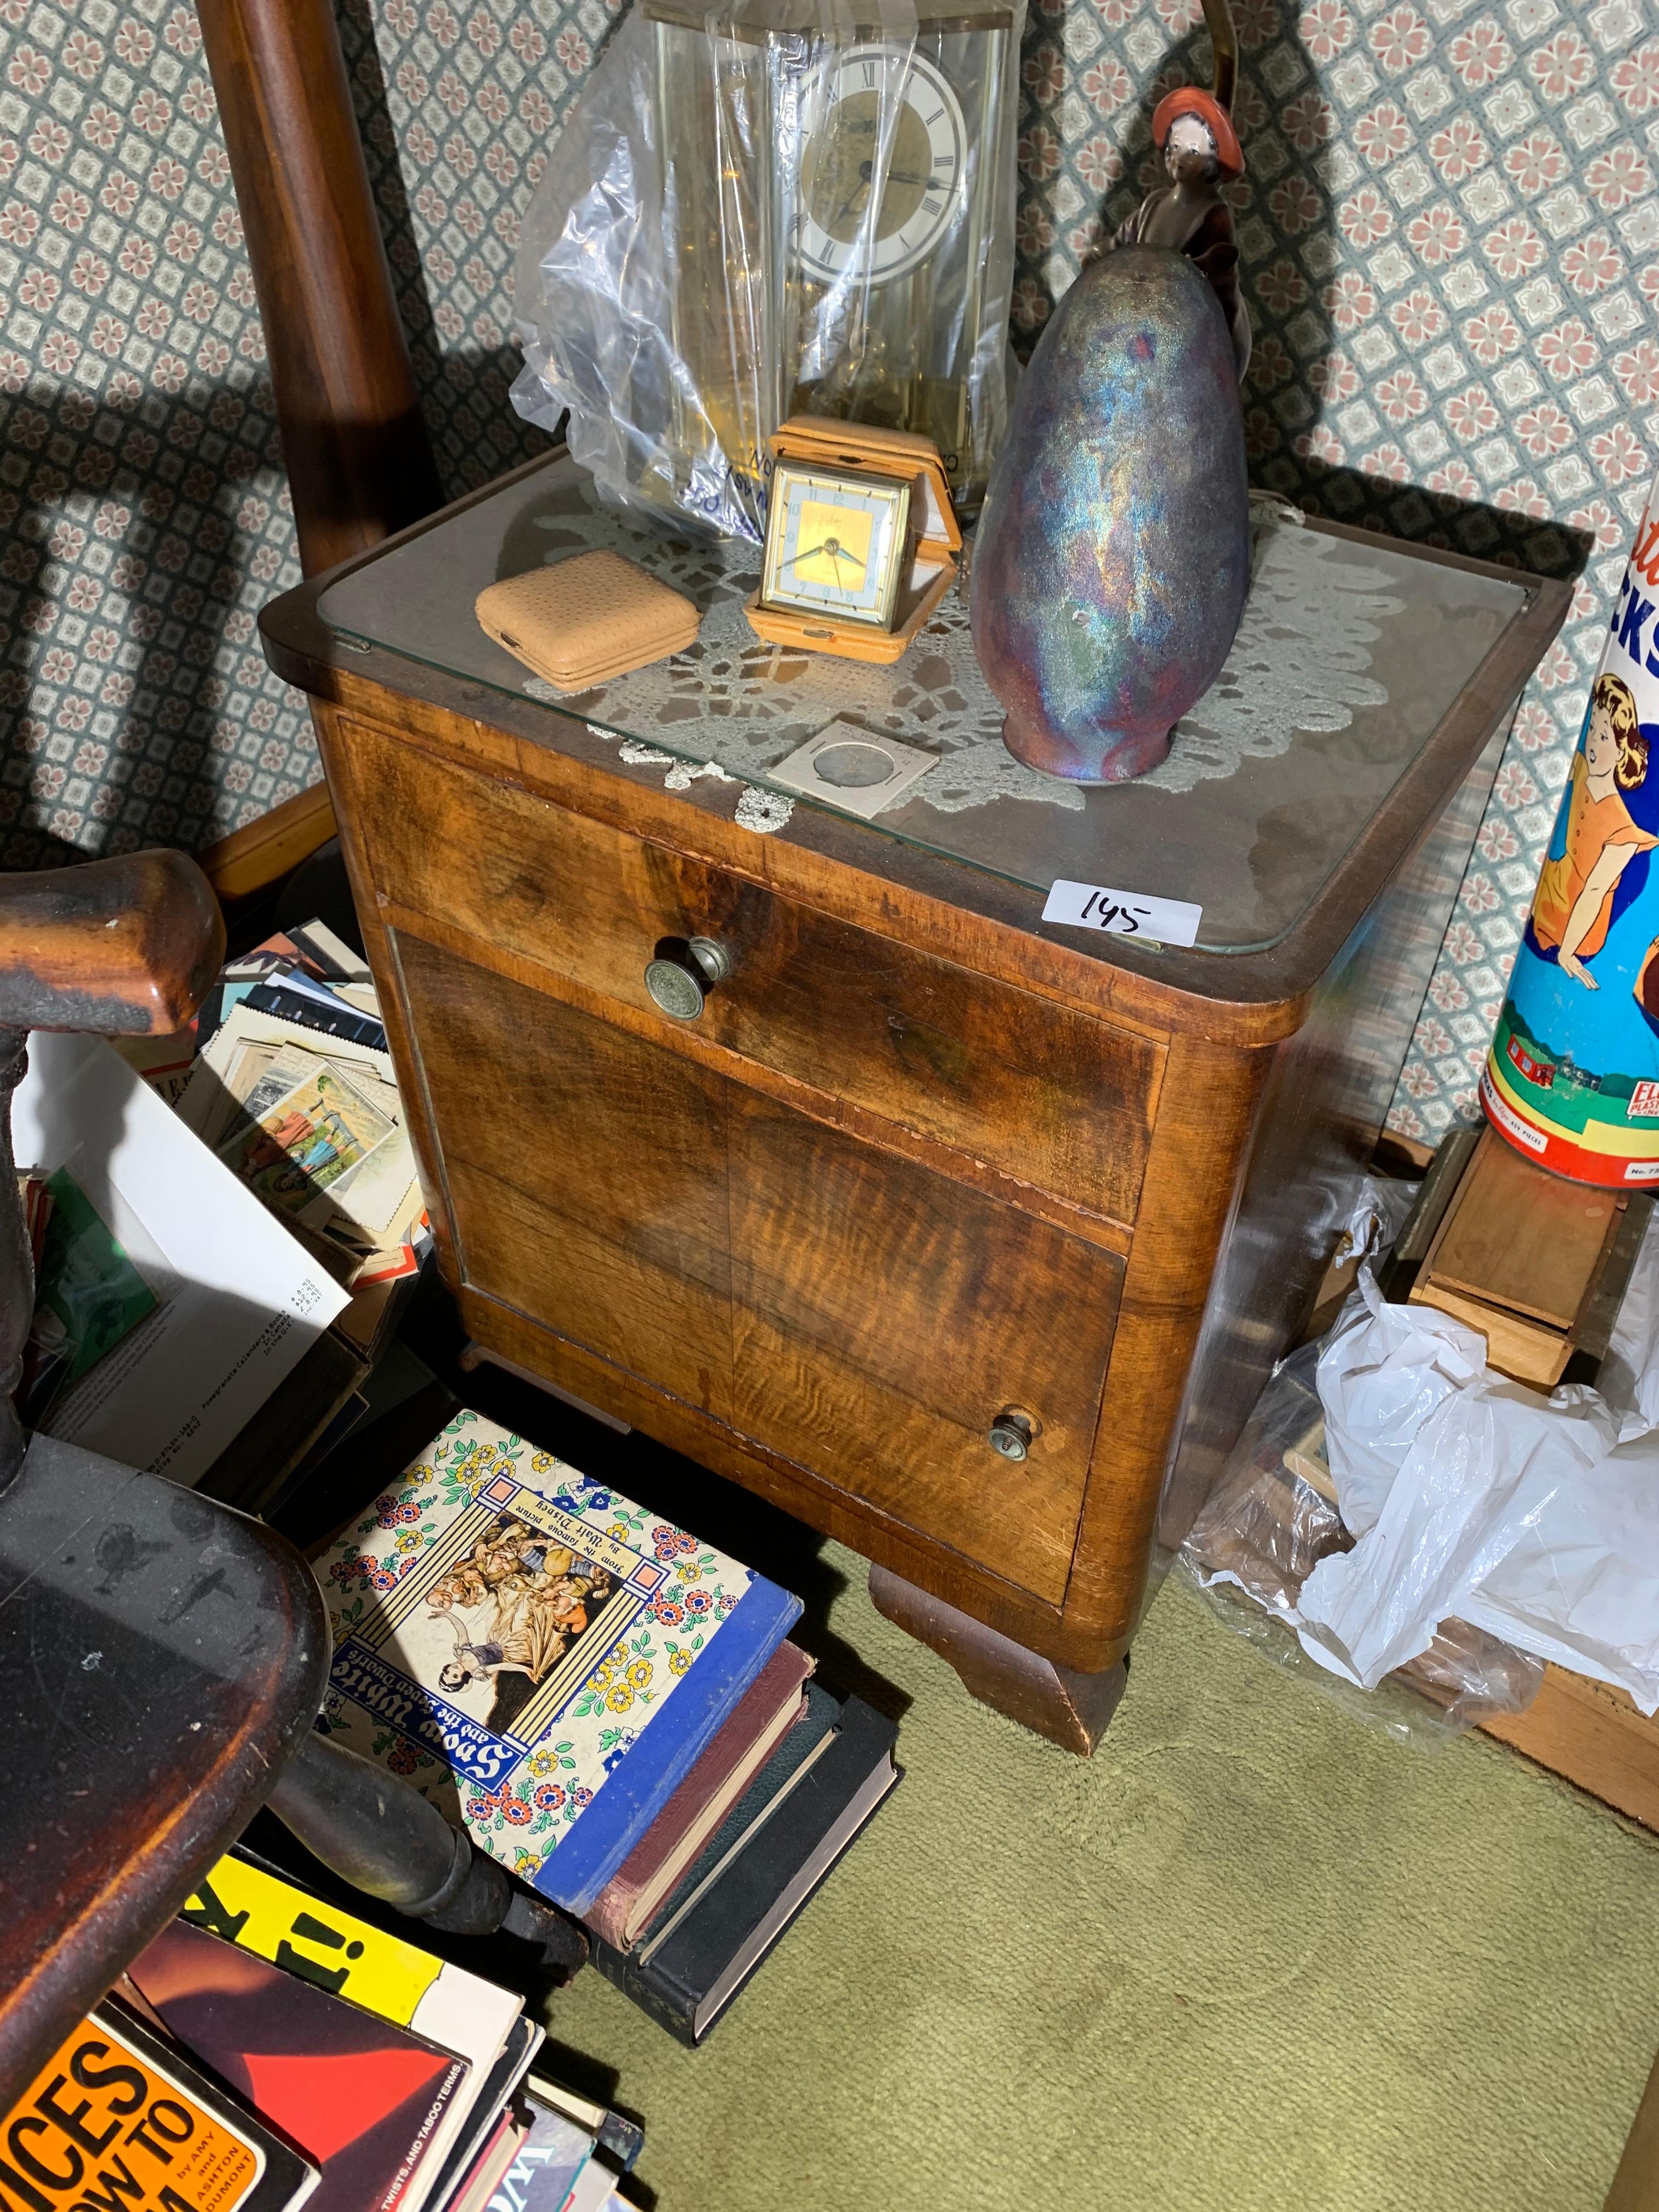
pixel 968 1237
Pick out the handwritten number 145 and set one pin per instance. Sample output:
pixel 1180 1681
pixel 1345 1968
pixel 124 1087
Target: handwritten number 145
pixel 1101 912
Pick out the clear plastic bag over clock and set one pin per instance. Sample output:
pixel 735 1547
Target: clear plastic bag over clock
pixel 764 210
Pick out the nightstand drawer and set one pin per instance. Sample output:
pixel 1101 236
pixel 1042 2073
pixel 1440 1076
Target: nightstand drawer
pixel 884 1318
pixel 1054 1098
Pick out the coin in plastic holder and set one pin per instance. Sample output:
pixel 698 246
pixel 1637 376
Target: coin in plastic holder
pixel 859 771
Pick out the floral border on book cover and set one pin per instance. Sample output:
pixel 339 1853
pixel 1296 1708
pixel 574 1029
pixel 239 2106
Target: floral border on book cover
pixel 504 1628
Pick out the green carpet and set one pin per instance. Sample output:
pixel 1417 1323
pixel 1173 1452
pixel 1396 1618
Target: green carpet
pixel 1250 1956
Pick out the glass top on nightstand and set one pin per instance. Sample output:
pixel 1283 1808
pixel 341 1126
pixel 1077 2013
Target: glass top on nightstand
pixel 1349 656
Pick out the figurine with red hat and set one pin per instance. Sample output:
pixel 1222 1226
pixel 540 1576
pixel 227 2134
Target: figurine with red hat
pixel 1194 133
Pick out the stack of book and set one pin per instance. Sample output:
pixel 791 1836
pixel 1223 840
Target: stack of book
pixel 270 2049
pixel 284 1074
pixel 611 1706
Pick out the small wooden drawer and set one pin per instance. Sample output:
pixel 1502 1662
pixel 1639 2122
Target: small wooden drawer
pixel 882 1317
pixel 1056 1098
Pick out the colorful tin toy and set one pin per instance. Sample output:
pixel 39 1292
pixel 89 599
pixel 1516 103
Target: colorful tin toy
pixel 1572 1079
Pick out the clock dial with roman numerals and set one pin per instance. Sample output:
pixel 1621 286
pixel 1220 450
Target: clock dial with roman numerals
pixel 882 168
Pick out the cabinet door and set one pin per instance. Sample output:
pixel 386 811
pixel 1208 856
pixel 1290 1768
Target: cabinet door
pixel 586 1172
pixel 844 1308
pixel 884 1316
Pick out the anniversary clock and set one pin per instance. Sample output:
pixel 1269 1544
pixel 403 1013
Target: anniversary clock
pixel 844 224
pixel 842 193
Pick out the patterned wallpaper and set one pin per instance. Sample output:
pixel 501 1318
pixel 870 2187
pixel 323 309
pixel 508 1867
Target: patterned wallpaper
pixel 1450 240
pixel 1450 243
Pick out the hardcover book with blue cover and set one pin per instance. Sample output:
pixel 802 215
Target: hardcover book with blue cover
pixel 540 1657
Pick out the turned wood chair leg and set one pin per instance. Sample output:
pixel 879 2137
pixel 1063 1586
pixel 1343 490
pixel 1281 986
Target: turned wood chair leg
pixel 359 458
pixel 1071 1709
pixel 381 1836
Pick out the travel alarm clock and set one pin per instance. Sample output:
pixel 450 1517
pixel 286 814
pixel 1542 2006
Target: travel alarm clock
pixel 836 543
pixel 861 539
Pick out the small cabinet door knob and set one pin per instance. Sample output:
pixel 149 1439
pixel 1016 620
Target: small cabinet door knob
pixel 1010 1434
pixel 682 971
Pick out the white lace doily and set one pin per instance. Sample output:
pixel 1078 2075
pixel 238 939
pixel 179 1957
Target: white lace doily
pixel 1301 661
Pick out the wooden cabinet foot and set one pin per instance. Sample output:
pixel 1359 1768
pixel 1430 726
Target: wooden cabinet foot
pixel 1073 1711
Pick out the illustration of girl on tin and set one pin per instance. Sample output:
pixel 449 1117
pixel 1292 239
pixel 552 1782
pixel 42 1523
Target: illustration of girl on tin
pixel 1598 835
pixel 1573 1076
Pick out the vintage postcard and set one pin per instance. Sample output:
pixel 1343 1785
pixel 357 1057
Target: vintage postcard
pixel 206 1106
pixel 271 1074
pixel 310 1138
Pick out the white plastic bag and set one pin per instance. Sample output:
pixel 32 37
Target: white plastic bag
pixel 1473 1497
pixel 1262 1532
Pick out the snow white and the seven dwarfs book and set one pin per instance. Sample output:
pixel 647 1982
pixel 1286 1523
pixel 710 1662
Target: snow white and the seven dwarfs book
pixel 541 1659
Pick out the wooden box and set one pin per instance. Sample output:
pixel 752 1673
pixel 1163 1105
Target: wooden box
pixel 1529 1260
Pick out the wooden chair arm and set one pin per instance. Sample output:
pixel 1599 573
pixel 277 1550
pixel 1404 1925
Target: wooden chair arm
pixel 130 1771
pixel 123 947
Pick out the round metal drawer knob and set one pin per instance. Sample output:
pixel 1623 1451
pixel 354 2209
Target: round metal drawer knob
pixel 1011 1435
pixel 682 972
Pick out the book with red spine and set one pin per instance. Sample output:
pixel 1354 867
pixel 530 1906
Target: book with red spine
pixel 768 1709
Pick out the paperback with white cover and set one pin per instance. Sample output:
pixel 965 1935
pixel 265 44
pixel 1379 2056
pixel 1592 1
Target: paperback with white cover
pixel 242 1300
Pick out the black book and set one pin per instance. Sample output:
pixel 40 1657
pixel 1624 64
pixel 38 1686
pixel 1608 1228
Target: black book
pixel 803 1811
pixel 308 1013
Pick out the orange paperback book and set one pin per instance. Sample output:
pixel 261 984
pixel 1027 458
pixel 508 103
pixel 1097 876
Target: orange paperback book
pixel 117 2118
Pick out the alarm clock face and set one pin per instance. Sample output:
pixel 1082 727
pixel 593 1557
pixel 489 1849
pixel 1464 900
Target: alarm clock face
pixel 877 117
pixel 834 544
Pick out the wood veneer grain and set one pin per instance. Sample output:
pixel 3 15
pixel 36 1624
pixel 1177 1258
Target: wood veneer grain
pixel 883 1317
pixel 807 1493
pixel 687 1040
pixel 1199 1152
pixel 586 1172
pixel 1064 1102
pixel 857 1313
pixel 986 923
